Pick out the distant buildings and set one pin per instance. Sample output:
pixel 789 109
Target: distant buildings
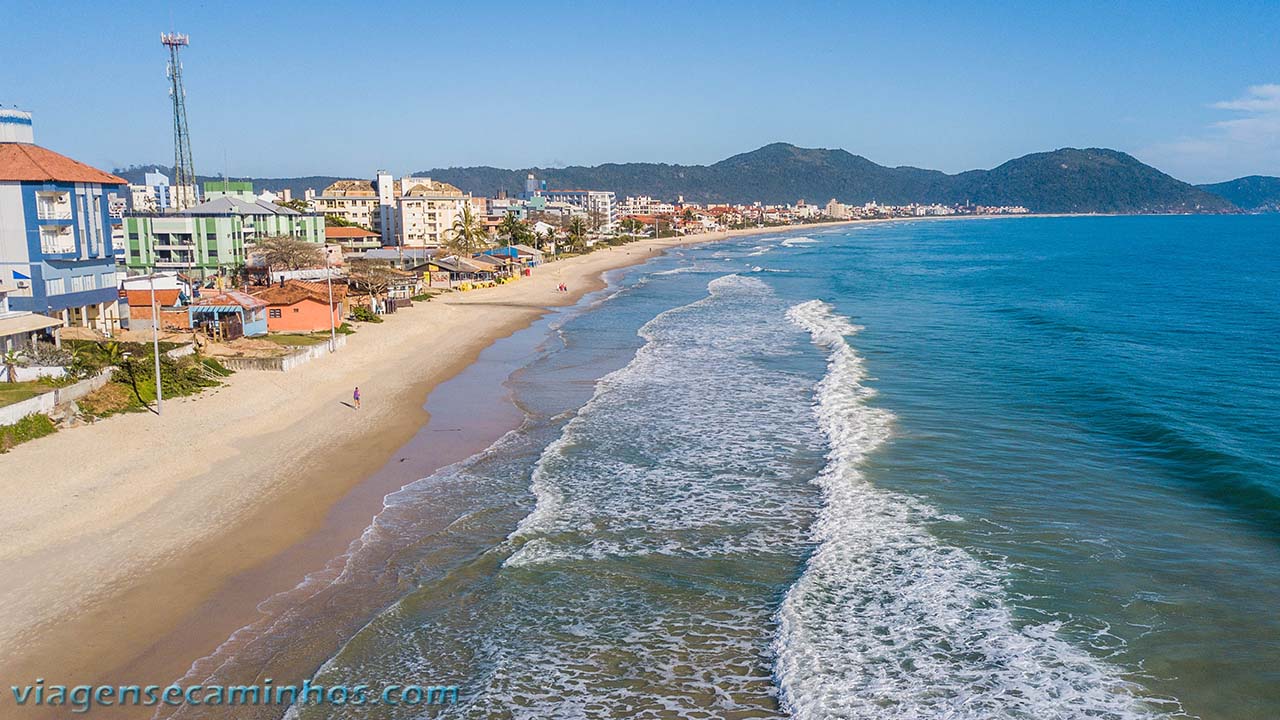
pixel 600 206
pixel 55 231
pixel 409 212
pixel 238 189
pixel 155 194
pixel 213 237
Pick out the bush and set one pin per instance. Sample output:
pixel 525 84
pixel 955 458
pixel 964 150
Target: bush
pixel 346 329
pixel 424 297
pixel 30 427
pixel 108 400
pixel 47 355
pixel 361 313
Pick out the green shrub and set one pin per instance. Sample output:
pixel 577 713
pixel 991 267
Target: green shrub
pixel 30 427
pixel 364 314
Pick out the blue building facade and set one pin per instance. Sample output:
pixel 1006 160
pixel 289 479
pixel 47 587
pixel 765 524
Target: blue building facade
pixel 55 231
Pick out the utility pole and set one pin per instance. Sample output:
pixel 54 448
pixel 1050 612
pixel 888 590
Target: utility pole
pixel 328 279
pixel 155 339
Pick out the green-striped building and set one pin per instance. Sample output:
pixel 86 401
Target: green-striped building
pixel 211 238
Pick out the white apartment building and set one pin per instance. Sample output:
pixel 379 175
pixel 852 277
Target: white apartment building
pixel 409 212
pixel 645 205
pixel 600 206
pixel 155 194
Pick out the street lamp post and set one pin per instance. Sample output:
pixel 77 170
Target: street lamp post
pixel 155 339
pixel 328 279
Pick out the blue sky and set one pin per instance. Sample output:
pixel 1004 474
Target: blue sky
pixel 288 88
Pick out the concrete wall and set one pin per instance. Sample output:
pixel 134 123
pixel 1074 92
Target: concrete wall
pixel 285 363
pixel 10 414
pixel 27 374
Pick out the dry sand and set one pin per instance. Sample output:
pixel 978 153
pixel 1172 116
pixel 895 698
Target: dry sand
pixel 117 535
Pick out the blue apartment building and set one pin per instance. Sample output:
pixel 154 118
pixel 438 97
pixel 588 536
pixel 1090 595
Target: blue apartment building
pixel 55 231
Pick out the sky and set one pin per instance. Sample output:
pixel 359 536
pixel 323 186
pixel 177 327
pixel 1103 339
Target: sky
pixel 284 88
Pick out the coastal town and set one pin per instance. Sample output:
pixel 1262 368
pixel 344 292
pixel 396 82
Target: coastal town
pixel 106 284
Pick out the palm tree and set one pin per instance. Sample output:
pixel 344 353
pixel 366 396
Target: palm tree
pixel 578 234
pixel 467 236
pixel 11 366
pixel 512 229
pixel 114 354
pixel 548 238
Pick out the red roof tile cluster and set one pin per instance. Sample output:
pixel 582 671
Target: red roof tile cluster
pixel 333 232
pixel 142 298
pixel 294 291
pixel 22 162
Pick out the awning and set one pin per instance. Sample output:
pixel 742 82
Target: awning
pixel 216 308
pixel 25 323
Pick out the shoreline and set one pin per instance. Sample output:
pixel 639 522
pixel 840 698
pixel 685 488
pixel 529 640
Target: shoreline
pixel 140 559
pixel 238 494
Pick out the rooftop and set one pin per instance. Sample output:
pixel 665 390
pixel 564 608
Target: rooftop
pixel 292 291
pixel 337 232
pixel 23 162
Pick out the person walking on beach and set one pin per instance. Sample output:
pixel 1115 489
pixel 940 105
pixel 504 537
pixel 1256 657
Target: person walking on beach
pixel 356 397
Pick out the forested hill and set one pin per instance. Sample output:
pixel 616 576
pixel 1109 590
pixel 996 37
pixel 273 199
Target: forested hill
pixel 1070 180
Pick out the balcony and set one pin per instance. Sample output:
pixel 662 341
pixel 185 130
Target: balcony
pixel 53 206
pixel 57 240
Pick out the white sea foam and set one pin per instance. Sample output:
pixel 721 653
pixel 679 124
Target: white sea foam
pixel 889 622
pixel 689 431
pixel 679 270
pixel 798 241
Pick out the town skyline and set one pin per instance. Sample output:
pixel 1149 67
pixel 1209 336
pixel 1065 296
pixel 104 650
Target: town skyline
pixel 920 87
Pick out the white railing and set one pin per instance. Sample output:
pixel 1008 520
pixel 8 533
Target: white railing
pixel 53 212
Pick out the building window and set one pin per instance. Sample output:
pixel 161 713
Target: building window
pixel 53 205
pixel 57 239
pixel 274 312
pixel 57 286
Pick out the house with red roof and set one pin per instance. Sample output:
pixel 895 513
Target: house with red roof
pixel 55 230
pixel 299 306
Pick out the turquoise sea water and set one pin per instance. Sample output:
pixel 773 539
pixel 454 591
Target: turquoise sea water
pixel 1022 468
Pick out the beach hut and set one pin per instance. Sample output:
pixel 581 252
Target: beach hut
pixel 229 314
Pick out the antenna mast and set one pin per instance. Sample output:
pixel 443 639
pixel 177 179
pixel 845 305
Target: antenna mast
pixel 184 172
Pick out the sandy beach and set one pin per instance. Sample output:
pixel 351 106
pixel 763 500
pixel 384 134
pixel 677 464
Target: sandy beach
pixel 136 545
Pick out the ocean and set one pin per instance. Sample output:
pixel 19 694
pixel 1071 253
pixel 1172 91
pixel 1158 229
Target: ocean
pixel 1007 468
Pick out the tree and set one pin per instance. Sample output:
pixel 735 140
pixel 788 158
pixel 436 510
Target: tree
pixel 512 229
pixel 577 234
pixel 296 204
pixel 114 354
pixel 547 239
pixel 631 226
pixel 339 221
pixel 371 276
pixel 11 366
pixel 467 236
pixel 285 252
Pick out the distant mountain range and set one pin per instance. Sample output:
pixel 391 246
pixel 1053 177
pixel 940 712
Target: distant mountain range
pixel 1255 193
pixel 1070 180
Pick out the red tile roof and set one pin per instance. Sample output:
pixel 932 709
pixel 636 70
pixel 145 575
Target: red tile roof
pixel 347 232
pixel 298 290
pixel 22 162
pixel 164 298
